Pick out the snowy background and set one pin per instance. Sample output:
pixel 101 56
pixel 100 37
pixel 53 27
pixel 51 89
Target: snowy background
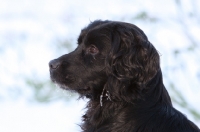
pixel 33 32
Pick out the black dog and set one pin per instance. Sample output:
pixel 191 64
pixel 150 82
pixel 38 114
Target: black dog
pixel 118 69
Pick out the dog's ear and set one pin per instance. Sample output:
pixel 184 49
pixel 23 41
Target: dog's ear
pixel 132 62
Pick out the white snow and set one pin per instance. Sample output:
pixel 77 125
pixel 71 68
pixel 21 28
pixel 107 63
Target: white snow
pixel 30 31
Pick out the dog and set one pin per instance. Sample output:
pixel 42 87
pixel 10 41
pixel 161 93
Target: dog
pixel 118 70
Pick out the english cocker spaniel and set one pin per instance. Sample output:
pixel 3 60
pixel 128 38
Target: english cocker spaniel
pixel 118 69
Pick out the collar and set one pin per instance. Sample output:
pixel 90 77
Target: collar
pixel 105 94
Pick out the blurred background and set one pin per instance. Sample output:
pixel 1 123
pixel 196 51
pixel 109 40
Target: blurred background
pixel 33 32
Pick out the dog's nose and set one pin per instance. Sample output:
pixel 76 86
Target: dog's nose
pixel 53 64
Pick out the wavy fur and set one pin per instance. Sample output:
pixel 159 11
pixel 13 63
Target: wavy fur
pixel 118 69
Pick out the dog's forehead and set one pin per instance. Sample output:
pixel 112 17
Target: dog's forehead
pixel 91 26
pixel 98 37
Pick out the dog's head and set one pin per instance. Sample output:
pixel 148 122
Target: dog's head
pixel 110 55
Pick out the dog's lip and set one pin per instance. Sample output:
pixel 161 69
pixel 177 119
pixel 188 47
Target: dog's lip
pixel 85 92
pixel 81 90
pixel 87 88
pixel 70 77
pixel 66 87
pixel 53 80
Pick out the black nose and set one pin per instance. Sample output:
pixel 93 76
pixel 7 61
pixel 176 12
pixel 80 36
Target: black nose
pixel 53 64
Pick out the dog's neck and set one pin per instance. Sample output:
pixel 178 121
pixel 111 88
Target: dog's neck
pixel 107 110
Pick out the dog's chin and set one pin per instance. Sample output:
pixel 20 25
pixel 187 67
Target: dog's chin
pixel 62 86
pixel 83 92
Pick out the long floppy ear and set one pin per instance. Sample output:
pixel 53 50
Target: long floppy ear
pixel 131 64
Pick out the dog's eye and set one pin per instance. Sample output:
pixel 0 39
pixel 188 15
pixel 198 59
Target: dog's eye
pixel 92 50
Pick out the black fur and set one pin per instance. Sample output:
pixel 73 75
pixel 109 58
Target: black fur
pixel 118 69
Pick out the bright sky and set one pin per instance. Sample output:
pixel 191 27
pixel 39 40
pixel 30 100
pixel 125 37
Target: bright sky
pixel 30 29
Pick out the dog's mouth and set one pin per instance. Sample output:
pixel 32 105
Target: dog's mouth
pixel 69 83
pixel 63 82
pixel 83 91
pixel 86 91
